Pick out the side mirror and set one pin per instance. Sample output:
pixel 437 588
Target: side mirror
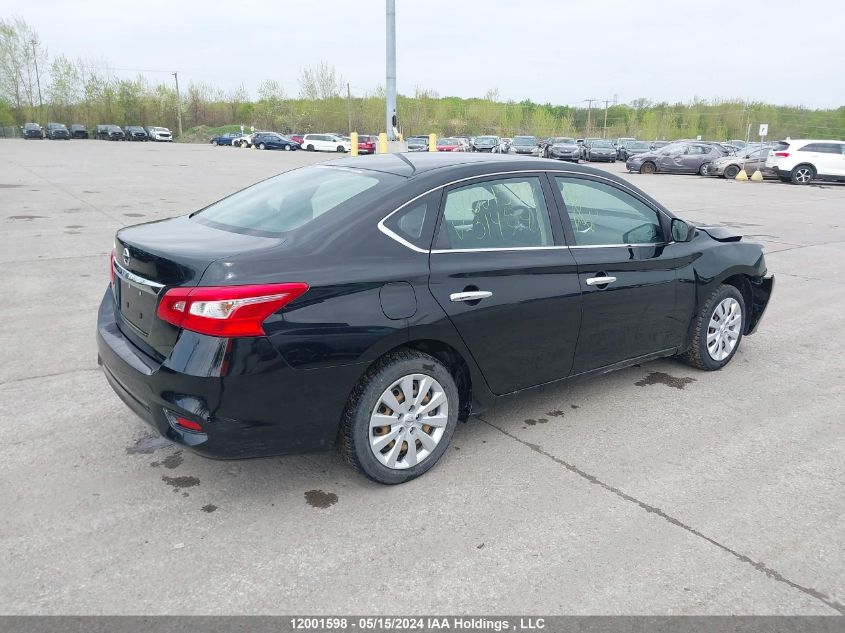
pixel 681 231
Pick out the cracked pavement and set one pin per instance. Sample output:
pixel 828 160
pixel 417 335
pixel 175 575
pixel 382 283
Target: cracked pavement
pixel 654 490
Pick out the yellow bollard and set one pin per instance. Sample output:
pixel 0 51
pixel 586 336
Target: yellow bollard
pixel 742 176
pixel 353 144
pixel 382 143
pixel 432 142
pixel 399 137
pixel 757 176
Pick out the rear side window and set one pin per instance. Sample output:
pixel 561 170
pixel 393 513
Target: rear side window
pixel 602 215
pixel 502 213
pixel 293 199
pixel 823 148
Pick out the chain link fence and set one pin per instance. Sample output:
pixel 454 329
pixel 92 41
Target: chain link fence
pixel 10 132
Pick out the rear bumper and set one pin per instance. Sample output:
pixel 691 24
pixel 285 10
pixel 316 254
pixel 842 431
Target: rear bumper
pixel 249 401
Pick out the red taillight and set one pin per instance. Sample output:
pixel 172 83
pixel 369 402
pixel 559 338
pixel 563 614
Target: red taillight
pixel 227 311
pixel 189 424
pixel 782 154
pixel 111 268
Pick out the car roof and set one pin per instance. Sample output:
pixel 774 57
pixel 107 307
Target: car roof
pixel 811 140
pixel 418 163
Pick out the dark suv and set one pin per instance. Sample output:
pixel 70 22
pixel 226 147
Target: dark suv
pixel 57 131
pixel 109 133
pixel 77 130
pixel 32 130
pixel 136 133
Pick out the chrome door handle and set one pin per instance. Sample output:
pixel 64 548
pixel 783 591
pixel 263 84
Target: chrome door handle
pixel 470 296
pixel 600 281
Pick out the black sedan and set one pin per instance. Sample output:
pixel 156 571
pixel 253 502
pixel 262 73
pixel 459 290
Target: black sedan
pixel 631 148
pixel 488 144
pixel 271 140
pixel 598 150
pixel 371 306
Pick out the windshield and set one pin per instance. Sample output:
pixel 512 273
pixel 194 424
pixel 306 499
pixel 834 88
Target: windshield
pixel 31 126
pixel 637 145
pixel 449 141
pixel 524 140
pixel 485 140
pixel 113 128
pixel 292 199
pixel 563 140
pixel 601 144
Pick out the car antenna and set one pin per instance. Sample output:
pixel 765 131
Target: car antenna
pixel 410 164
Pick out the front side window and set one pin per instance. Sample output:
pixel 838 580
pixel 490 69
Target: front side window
pixel 501 213
pixel 604 215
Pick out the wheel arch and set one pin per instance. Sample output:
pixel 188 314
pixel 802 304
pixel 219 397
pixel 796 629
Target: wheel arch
pixel 742 282
pixel 455 363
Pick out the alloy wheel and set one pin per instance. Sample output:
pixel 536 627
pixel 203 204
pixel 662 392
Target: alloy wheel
pixel 724 329
pixel 408 421
pixel 803 175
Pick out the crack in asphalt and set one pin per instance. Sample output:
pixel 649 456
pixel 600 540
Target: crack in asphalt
pixel 53 375
pixel 758 565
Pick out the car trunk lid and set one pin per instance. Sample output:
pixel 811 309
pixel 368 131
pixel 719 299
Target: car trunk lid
pixel 151 258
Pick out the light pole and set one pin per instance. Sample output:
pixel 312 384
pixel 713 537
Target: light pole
pixel 178 102
pixel 390 84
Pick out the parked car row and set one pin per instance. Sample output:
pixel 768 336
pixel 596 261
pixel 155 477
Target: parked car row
pixel 798 161
pixel 60 131
pixel 331 142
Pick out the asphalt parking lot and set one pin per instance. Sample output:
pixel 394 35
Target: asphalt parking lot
pixel 654 490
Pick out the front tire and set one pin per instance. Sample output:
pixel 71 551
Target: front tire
pixel 702 169
pixel 310 148
pixel 262 146
pixel 287 148
pixel 802 175
pixel 340 149
pixel 717 330
pixel 648 168
pixel 731 171
pixel 400 417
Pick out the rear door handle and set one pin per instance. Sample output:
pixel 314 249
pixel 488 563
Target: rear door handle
pixel 475 295
pixel 600 281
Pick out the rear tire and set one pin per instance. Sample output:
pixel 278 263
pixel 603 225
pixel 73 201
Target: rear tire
pixel 648 168
pixel 702 169
pixel 368 417
pixel 802 175
pixel 717 330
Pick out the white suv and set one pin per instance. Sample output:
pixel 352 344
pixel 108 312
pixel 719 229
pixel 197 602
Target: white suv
pixel 803 160
pixel 324 143
pixel 159 134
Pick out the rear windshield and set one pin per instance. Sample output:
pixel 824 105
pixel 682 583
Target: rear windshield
pixel 295 198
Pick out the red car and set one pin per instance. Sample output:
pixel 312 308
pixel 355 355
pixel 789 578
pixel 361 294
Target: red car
pixel 295 137
pixel 367 144
pixel 450 145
